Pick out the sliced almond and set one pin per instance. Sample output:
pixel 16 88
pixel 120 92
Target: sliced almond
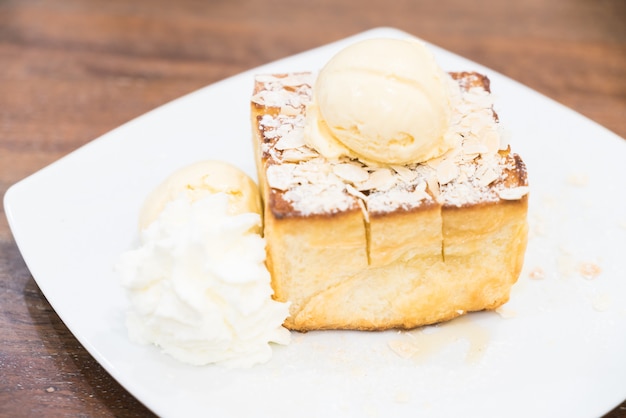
pixel 513 193
pixel 293 139
pixel 491 139
pixel 295 80
pixel 474 146
pixel 354 192
pixel 281 176
pixel 433 185
pixel 405 173
pixel 420 191
pixel 350 172
pixel 290 110
pixel 380 179
pixel 298 154
pixel 447 171
pixel 487 177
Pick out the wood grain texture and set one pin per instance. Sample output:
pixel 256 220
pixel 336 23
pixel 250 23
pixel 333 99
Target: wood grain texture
pixel 72 70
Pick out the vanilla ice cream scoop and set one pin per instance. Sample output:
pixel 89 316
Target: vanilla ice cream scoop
pixel 199 180
pixel 384 100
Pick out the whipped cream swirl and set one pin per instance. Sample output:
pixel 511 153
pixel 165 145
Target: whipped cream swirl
pixel 199 287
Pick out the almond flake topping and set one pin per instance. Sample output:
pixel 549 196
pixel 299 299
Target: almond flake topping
pixel 290 140
pixel 298 154
pixel 351 172
pixel 470 172
pixel 379 179
pixel 447 171
pixel 281 176
pixel 405 173
pixel 513 193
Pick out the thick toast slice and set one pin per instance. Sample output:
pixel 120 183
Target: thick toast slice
pixel 356 246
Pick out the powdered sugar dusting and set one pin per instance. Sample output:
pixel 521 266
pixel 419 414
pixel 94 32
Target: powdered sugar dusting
pixel 472 172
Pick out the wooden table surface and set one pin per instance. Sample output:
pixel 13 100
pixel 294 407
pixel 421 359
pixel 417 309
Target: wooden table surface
pixel 71 70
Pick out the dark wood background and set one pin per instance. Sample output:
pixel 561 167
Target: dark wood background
pixel 71 70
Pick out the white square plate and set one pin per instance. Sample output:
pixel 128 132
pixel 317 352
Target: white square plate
pixel 558 348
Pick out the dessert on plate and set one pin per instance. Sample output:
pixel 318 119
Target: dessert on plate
pixel 391 197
